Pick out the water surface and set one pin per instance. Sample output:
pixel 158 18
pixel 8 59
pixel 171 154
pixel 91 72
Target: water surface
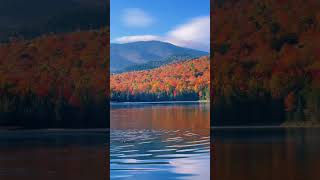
pixel 160 141
pixel 266 154
pixel 53 155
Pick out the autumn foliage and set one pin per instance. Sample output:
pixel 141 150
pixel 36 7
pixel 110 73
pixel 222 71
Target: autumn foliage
pixel 54 79
pixel 187 80
pixel 268 51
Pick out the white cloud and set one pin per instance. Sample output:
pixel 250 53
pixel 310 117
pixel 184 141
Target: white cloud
pixel 193 34
pixel 135 17
pixel 127 39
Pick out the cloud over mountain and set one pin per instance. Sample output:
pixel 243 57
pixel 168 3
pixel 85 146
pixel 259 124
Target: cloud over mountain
pixel 128 39
pixel 195 34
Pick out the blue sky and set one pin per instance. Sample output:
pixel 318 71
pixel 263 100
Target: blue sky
pixel 181 22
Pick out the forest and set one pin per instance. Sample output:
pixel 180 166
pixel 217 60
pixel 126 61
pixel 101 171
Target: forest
pixel 55 80
pixel 180 81
pixel 266 62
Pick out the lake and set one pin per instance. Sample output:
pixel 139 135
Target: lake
pixel 266 153
pixel 160 141
pixel 53 155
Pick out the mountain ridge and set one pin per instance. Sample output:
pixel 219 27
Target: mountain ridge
pixel 123 56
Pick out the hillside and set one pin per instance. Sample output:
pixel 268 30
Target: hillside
pixel 55 80
pixel 156 64
pixel 186 80
pixel 139 55
pixel 266 54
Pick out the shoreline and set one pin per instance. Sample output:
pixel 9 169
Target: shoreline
pixel 282 126
pixel 157 102
pixel 106 130
pixel 305 124
pixel 53 130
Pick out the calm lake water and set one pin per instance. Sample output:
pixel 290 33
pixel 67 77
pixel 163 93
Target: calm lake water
pixel 160 141
pixel 53 155
pixel 266 154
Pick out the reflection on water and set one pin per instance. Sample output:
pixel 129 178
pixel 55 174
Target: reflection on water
pixel 52 155
pixel 192 116
pixel 160 141
pixel 264 154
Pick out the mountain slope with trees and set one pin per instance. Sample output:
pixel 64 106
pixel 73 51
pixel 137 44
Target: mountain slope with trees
pixel 266 62
pixel 186 80
pixel 55 80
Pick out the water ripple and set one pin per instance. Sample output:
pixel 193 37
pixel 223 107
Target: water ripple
pixel 163 154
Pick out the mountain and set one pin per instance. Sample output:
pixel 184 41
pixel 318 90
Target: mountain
pixel 147 54
pixel 29 19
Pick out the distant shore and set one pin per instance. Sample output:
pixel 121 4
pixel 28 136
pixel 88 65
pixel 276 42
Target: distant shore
pixel 54 130
pixel 298 124
pixel 281 126
pixel 158 102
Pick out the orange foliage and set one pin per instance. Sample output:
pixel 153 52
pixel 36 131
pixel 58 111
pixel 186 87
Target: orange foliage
pixel 172 79
pixel 265 46
pixel 68 65
pixel 266 56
